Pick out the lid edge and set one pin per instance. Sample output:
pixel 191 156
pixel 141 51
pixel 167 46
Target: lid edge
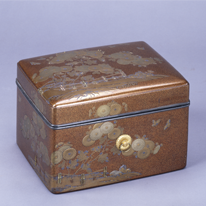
pixel 102 119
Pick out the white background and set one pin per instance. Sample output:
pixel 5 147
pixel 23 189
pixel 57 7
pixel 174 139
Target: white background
pixel 177 30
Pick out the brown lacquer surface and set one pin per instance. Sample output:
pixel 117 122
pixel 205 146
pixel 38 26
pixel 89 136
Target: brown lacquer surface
pixel 68 83
pixel 69 160
pixel 96 83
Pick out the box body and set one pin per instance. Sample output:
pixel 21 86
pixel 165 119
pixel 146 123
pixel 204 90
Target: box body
pixel 72 108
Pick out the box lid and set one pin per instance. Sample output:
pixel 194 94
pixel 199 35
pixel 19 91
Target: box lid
pixel 97 82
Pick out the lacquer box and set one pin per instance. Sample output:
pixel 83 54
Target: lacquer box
pixel 101 115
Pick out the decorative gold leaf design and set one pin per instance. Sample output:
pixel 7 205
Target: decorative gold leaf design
pixel 34 75
pixel 35 63
pixel 62 165
pixel 103 111
pixel 115 109
pixel 87 78
pixel 68 144
pixel 125 106
pixel 90 62
pixel 158 60
pixel 137 136
pixel 167 124
pixel 115 150
pixel 90 112
pixel 155 123
pixel 49 71
pixel 56 157
pixel 102 139
pixel 156 149
pixel 33 146
pixel 76 55
pixel 59 144
pixel 103 157
pixel 126 58
pixel 140 48
pixel 96 149
pixel 82 156
pixel 26 125
pixel 144 153
pixel 69 153
pixel 73 164
pixel 86 167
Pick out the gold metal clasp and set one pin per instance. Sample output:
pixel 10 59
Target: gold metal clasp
pixel 82 179
pixel 59 178
pixel 105 172
pixel 124 142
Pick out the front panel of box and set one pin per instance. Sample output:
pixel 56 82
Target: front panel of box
pixel 87 156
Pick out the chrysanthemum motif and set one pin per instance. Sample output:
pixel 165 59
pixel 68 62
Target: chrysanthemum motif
pixel 103 111
pixel 64 147
pixel 144 153
pixel 87 141
pixel 96 134
pixel 128 152
pixel 138 144
pixel 59 144
pixel 115 109
pixel 150 144
pixel 116 132
pixel 69 153
pixel 56 157
pixel 107 127
pixel 98 125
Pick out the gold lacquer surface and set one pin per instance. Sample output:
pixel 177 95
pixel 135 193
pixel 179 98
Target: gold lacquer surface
pixel 90 73
pixel 98 82
pixel 94 83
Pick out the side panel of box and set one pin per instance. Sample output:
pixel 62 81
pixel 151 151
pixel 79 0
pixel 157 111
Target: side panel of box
pixel 159 139
pixel 34 139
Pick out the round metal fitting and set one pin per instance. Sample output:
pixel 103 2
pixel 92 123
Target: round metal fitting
pixel 123 142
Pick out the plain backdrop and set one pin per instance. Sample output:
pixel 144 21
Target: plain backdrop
pixel 177 30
